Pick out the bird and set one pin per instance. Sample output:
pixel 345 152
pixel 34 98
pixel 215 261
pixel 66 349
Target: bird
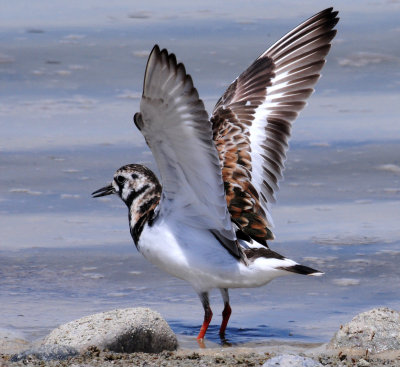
pixel 208 221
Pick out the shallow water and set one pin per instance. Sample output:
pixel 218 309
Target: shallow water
pixel 69 87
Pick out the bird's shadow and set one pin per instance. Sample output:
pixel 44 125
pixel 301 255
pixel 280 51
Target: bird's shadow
pixel 236 336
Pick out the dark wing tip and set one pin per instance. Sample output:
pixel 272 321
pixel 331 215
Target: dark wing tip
pixel 333 15
pixel 155 53
pixel 169 59
pixel 326 12
pixel 155 50
pixel 166 59
pixel 302 269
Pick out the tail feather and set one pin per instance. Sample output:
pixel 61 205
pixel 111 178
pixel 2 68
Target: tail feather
pixel 301 269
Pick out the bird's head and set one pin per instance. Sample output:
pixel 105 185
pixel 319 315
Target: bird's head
pixel 131 182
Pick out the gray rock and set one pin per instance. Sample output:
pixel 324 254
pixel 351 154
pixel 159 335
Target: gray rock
pixel 376 330
pixel 288 360
pixel 126 330
pixel 46 353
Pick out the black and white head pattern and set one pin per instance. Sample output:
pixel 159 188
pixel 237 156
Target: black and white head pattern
pixel 140 190
pixel 133 182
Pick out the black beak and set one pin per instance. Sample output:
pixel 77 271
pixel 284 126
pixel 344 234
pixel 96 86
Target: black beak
pixel 106 190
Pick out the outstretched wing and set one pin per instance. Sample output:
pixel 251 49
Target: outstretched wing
pixel 252 121
pixel 175 125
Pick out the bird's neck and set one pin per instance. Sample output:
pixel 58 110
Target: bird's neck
pixel 141 210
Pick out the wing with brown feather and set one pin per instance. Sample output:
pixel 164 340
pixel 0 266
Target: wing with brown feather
pixel 252 121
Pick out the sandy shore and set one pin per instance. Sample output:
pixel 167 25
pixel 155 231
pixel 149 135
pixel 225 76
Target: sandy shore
pixel 371 338
pixel 251 355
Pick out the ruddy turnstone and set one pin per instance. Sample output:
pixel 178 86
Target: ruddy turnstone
pixel 209 221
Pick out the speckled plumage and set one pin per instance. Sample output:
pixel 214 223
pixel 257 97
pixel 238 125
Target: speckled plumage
pixel 209 222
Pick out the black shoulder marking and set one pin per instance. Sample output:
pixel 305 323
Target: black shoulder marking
pixel 300 269
pixel 255 253
pixel 136 231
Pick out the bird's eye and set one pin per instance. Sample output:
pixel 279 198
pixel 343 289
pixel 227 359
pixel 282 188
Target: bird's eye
pixel 120 179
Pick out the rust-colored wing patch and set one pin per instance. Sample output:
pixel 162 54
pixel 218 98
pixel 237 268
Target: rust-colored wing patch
pixel 231 119
pixel 252 121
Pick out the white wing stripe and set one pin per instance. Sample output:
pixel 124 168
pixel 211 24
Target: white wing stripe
pixel 298 58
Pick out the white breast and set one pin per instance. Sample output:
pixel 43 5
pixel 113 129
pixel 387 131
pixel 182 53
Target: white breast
pixel 194 255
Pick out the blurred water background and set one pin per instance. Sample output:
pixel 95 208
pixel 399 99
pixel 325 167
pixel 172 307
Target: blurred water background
pixel 70 81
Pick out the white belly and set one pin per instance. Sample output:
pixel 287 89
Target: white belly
pixel 196 256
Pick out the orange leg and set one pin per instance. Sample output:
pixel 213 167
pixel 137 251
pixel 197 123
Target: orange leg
pixel 207 315
pixel 226 313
